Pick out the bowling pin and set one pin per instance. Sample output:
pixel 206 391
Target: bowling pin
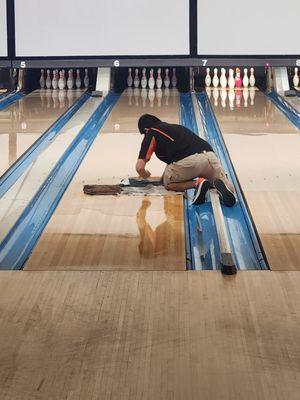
pixel 167 78
pixel 223 79
pixel 245 78
pixel 136 81
pixel 144 79
pixel 174 78
pixel 158 79
pixel 54 80
pixel 78 79
pixel 215 80
pixel 238 79
pixel 129 78
pixel 42 79
pixel 207 78
pixel 86 79
pixel 151 81
pixel 70 81
pixel 252 77
pixel 48 80
pixel 231 80
pixel 61 82
pixel 296 77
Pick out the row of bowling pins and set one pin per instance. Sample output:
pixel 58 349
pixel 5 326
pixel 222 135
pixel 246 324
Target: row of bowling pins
pixel 232 81
pixel 148 96
pixel 59 80
pixel 151 82
pixel 232 95
pixel 296 78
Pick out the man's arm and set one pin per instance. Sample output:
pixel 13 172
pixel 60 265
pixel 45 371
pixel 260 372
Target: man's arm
pixel 140 168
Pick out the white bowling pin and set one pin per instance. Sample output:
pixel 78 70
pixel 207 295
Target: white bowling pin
pixel 136 81
pixel 61 83
pixel 174 78
pixel 70 81
pixel 296 77
pixel 231 80
pixel 207 78
pixel 144 79
pixel 55 80
pixel 223 79
pixel 245 78
pixel 252 77
pixel 48 80
pixel 86 79
pixel 129 78
pixel 215 80
pixel 151 81
pixel 167 78
pixel 42 79
pixel 158 79
pixel 78 79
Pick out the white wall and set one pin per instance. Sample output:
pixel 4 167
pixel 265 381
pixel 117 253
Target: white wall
pixel 252 27
pixel 101 27
pixel 3 29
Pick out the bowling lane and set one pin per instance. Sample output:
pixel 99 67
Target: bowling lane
pixel 124 232
pixel 24 121
pixel 264 147
pixel 294 102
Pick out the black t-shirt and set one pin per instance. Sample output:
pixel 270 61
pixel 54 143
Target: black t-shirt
pixel 171 143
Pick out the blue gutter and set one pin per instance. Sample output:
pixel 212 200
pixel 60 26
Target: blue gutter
pixel 289 111
pixel 3 95
pixel 11 98
pixel 20 241
pixel 248 252
pixel 8 179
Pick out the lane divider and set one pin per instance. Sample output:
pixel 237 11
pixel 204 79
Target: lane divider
pixel 20 241
pixel 290 112
pixel 10 99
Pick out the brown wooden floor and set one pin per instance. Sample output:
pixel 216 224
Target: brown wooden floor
pixel 113 233
pixel 150 335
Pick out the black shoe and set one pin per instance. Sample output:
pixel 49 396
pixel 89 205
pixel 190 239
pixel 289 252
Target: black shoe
pixel 226 195
pixel 200 191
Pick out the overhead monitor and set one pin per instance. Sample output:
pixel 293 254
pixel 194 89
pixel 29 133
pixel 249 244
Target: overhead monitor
pixel 256 27
pixel 102 28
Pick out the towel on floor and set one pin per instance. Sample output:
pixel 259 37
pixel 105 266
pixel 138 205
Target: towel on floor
pixel 102 189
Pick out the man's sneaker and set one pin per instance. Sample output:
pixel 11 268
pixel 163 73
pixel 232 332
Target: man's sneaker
pixel 226 195
pixel 201 188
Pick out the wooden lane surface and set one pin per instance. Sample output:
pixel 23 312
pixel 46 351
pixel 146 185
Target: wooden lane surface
pixel 23 122
pixel 264 148
pixel 125 232
pixel 150 335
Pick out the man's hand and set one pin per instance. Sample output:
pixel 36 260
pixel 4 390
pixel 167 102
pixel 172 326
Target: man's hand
pixel 140 169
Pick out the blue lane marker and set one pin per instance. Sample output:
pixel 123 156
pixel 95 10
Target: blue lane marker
pixel 247 250
pixel 289 111
pixel 9 99
pixel 9 178
pixel 19 242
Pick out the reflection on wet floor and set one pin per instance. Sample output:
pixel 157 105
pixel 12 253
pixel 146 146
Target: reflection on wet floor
pixel 24 121
pixel 151 97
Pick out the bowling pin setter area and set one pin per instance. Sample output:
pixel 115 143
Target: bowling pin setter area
pixel 149 200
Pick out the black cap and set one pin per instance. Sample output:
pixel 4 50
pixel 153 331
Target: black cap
pixel 147 121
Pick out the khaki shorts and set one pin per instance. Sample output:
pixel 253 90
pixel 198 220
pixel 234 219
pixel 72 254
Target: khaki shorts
pixel 204 165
